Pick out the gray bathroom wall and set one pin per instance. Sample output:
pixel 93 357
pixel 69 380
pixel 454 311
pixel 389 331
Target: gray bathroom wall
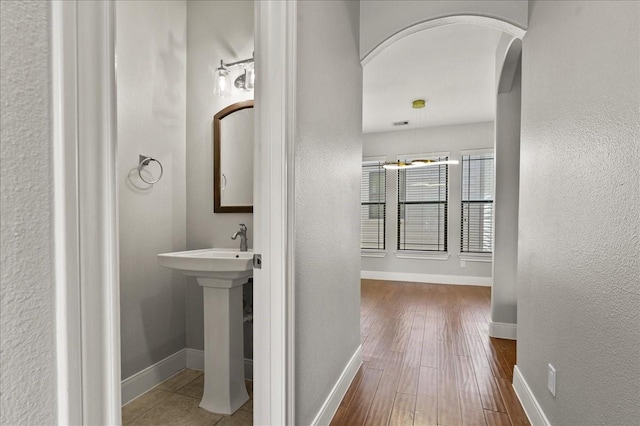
pixel 27 298
pixel 215 30
pixel 453 139
pixel 328 153
pixel 151 87
pixel 579 252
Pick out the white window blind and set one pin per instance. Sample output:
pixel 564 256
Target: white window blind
pixel 477 203
pixel 373 205
pixel 422 207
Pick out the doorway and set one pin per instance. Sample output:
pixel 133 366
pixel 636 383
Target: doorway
pixel 86 229
pixel 448 236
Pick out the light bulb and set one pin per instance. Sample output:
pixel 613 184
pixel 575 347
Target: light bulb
pixel 250 78
pixel 222 86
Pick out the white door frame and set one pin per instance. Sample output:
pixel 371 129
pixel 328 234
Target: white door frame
pixel 85 212
pixel 273 326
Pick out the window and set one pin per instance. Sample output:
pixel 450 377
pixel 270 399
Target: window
pixel 477 203
pixel 422 207
pixel 373 205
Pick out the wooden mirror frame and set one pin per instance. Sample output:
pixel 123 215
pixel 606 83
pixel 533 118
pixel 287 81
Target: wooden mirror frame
pixel 217 172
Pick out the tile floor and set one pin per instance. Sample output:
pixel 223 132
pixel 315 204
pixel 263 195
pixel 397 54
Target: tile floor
pixel 175 402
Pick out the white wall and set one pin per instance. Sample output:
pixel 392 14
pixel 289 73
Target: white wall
pixel 579 252
pixel 452 139
pixel 380 19
pixel 27 311
pixel 151 86
pixel 328 152
pixel 504 295
pixel 215 30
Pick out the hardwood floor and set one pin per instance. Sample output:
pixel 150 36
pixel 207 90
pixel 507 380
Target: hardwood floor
pixel 428 360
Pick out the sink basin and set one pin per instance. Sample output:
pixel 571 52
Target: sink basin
pixel 221 273
pixel 210 263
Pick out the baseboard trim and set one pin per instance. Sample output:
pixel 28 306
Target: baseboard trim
pixel 529 402
pixel 427 278
pixel 143 381
pixel 195 361
pixel 331 404
pixel 503 330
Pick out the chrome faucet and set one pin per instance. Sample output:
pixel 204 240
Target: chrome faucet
pixel 243 237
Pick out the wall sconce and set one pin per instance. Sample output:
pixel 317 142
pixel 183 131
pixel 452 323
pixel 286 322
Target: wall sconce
pixel 244 81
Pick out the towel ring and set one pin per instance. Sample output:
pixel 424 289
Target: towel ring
pixel 143 162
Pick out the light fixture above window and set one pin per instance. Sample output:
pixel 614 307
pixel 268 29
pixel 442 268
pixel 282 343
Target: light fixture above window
pixel 397 165
pixel 412 164
pixel 245 81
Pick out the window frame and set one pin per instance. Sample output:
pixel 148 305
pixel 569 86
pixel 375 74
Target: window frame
pixel 477 256
pixel 403 253
pixel 376 252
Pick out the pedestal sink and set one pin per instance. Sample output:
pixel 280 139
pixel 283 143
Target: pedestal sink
pixel 221 273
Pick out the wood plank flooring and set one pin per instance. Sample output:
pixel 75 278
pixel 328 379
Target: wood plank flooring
pixel 428 360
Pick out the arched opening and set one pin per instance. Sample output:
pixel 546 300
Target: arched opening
pixel 509 29
pixel 439 227
pixel 498 269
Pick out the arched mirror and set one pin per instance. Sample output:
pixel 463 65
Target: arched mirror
pixel 233 159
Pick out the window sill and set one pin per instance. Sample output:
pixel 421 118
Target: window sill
pixel 422 255
pixel 373 253
pixel 476 257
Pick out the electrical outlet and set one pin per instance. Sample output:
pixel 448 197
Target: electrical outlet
pixel 463 264
pixel 551 380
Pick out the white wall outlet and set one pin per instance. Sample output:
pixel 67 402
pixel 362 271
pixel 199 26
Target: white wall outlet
pixel 463 264
pixel 551 380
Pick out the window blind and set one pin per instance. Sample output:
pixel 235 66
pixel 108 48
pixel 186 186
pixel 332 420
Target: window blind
pixel 373 205
pixel 422 207
pixel 477 203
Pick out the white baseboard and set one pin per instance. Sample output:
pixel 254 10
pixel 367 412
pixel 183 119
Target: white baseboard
pixel 503 330
pixel 427 278
pixel 145 380
pixel 195 361
pixel 529 402
pixel 331 404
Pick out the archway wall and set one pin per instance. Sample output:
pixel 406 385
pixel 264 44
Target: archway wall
pixel 504 296
pixel 383 22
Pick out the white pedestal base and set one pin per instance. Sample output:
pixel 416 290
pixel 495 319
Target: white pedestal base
pixel 224 387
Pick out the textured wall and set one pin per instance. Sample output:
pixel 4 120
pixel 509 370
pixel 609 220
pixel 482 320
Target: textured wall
pixel 328 153
pixel 380 19
pixel 27 317
pixel 579 252
pixel 151 50
pixel 504 296
pixel 452 139
pixel 216 30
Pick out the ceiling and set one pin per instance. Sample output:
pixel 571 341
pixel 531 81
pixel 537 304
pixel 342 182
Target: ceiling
pixel 452 67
